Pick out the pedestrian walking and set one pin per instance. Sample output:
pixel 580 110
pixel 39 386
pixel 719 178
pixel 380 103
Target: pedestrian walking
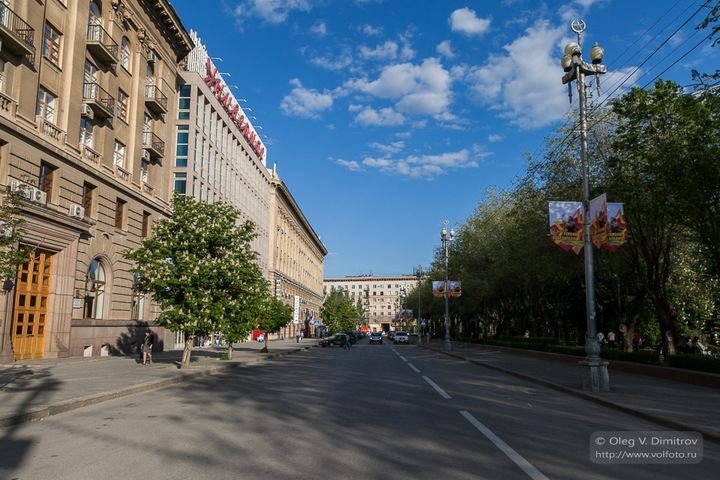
pixel 637 341
pixel 147 346
pixel 611 339
pixel 297 336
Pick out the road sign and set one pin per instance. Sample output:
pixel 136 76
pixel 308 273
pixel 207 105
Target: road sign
pixel 423 323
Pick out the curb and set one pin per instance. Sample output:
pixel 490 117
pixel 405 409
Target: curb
pixel 42 413
pixel 664 422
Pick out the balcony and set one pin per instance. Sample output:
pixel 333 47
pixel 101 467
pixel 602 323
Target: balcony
pixel 49 129
pixel 153 144
pixel 155 99
pixel 100 101
pixel 17 36
pixel 101 44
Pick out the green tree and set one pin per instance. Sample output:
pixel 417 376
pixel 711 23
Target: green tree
pixel 338 312
pixel 275 316
pixel 199 267
pixel 11 231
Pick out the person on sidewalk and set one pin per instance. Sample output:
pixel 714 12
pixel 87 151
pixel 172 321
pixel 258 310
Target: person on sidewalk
pixel 147 346
pixel 611 339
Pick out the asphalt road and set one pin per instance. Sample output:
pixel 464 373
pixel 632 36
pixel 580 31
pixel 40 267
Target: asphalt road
pixel 371 412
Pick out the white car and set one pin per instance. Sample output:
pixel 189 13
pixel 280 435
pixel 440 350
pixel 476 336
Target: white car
pixel 400 337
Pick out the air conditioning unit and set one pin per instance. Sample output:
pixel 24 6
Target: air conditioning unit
pixel 76 211
pixel 145 155
pixel 151 57
pixel 25 190
pixel 86 111
pixel 38 196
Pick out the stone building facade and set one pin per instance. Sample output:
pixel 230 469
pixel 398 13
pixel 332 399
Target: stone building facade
pixel 382 297
pixel 86 109
pixel 296 260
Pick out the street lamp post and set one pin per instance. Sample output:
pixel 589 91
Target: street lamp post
pixel 595 374
pixel 419 274
pixel 446 239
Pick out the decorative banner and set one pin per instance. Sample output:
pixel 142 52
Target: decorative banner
pixel 566 225
pixel 454 287
pixel 599 220
pixel 439 289
pixel 617 229
pixel 405 314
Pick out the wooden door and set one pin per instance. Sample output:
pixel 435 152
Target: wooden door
pixel 31 306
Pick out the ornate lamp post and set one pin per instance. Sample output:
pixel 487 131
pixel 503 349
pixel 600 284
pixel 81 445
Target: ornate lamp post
pixel 595 375
pixel 446 239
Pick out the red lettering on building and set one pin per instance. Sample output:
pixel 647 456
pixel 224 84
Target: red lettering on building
pixel 214 82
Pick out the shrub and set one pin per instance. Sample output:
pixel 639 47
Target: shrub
pixel 701 363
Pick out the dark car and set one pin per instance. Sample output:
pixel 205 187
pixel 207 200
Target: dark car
pixel 376 337
pixel 337 339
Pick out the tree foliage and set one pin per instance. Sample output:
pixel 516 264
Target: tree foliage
pixel 199 267
pixel 11 231
pixel 275 316
pixel 338 312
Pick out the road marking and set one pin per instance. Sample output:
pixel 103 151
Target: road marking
pixel 411 366
pixel 526 467
pixel 439 390
pixel 403 358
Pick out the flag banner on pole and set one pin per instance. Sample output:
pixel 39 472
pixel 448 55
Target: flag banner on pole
pixel 617 229
pixel 566 225
pixel 455 289
pixel 439 289
pixel 599 220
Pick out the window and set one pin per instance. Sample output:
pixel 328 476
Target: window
pixel 86 131
pixel 119 214
pixel 90 81
pixel 138 300
pixel 181 151
pixel 122 105
pixel 94 290
pixel 87 198
pixel 45 179
pixel 145 232
pixel 149 82
pixel 125 53
pixel 51 45
pixel 2 72
pixel 46 105
pixel 184 103
pixel 147 129
pixel 119 154
pixel 181 183
pixel 144 170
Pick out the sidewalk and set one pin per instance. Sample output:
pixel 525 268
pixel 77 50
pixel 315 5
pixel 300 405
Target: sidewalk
pixel 671 404
pixel 34 389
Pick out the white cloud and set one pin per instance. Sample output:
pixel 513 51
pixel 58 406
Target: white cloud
pixel 305 102
pixel 425 166
pixel 417 89
pixel 494 138
pixel 445 49
pixel 466 21
pixel 272 11
pixel 352 165
pixel 339 62
pixel 383 117
pixel 371 31
pixel 319 28
pixel 524 83
pixel 384 52
pixel 393 147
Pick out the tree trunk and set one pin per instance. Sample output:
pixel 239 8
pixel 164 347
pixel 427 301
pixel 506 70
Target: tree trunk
pixel 229 352
pixel 189 340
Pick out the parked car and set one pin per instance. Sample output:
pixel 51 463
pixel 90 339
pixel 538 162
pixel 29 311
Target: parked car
pixel 391 335
pixel 401 337
pixel 337 339
pixel 376 337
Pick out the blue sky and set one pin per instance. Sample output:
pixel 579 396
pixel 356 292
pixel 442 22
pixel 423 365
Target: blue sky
pixel 386 117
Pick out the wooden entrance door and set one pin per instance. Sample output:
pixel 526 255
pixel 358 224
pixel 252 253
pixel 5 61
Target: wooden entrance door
pixel 31 306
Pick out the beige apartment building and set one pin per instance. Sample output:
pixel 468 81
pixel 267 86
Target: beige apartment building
pixel 382 297
pixel 86 114
pixel 297 259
